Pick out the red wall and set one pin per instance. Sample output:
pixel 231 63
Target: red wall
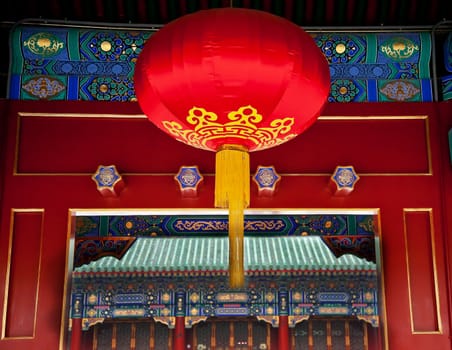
pixel 50 150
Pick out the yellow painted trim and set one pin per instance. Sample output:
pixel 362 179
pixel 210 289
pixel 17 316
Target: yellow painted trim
pixel 381 279
pixel 211 211
pixel 8 272
pixel 66 301
pixel 435 272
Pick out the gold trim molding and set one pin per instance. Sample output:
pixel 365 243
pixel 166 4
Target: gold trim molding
pixel 8 272
pixel 434 269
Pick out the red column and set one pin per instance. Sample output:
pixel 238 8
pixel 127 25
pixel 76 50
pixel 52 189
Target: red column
pixel 179 333
pixel 283 333
pixel 76 333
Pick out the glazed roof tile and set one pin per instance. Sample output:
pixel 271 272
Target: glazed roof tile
pixel 210 254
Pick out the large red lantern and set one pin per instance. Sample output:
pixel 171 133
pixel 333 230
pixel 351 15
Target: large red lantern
pixel 232 81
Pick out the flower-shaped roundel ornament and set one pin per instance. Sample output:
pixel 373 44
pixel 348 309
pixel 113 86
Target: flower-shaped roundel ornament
pixel 232 81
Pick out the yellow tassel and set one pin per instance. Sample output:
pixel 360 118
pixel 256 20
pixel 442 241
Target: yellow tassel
pixel 232 190
pixel 236 263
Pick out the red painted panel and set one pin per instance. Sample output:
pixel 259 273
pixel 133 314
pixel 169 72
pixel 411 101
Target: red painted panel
pixel 446 186
pixel 371 144
pixel 80 145
pixel 310 153
pixel 421 270
pixel 23 274
pixel 55 145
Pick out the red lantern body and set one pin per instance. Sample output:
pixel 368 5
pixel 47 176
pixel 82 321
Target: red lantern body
pixel 232 81
pixel 231 76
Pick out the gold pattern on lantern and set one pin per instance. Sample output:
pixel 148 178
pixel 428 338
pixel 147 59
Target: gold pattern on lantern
pixel 243 124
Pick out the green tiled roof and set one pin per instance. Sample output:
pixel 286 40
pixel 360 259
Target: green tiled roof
pixel 210 254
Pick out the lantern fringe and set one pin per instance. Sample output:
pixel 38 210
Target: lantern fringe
pixel 232 190
pixel 236 240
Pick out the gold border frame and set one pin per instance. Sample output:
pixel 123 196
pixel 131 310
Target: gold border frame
pixel 142 116
pixel 8 272
pixel 434 266
pixel 73 212
pixel 381 280
pixel 70 245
